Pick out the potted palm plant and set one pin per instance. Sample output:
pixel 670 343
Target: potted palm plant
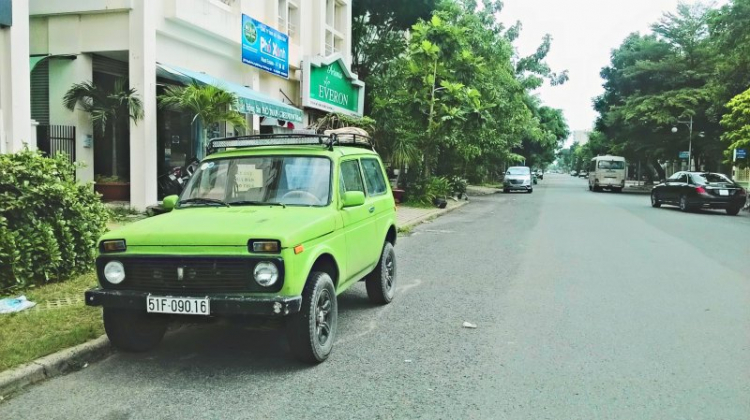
pixel 107 108
pixel 208 104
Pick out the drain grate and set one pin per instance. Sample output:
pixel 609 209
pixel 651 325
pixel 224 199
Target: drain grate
pixel 53 304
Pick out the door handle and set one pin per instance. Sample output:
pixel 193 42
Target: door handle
pixel 372 209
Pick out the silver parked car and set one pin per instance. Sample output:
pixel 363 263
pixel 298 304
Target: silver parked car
pixel 518 178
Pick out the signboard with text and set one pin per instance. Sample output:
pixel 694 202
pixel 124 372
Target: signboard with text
pixel 264 47
pixel 328 85
pixel 684 155
pixel 740 153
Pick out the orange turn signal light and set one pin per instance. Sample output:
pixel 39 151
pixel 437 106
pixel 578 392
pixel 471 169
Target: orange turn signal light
pixel 299 249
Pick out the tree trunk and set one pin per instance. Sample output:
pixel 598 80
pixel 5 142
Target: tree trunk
pixel 203 141
pixel 659 170
pixel 114 147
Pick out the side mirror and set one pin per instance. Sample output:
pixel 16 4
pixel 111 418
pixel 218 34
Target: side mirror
pixel 169 202
pixel 354 199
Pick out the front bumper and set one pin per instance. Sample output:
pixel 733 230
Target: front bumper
pixel 221 305
pixel 510 186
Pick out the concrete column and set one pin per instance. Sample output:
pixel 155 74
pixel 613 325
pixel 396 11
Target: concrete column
pixel 63 74
pixel 15 82
pixel 142 68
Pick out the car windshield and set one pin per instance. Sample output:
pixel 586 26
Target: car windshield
pixel 611 164
pixel 710 178
pixel 518 171
pixel 288 180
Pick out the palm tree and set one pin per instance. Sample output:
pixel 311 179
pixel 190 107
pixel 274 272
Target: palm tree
pixel 105 106
pixel 208 104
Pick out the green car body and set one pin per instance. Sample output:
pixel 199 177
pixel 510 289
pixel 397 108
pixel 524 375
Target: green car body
pixel 344 237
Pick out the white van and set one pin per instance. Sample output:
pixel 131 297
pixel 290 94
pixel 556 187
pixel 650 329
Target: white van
pixel 607 172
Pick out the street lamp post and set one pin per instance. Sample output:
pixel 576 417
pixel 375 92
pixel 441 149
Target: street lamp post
pixel 690 136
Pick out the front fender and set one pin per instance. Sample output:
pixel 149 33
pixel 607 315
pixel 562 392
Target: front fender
pixel 299 266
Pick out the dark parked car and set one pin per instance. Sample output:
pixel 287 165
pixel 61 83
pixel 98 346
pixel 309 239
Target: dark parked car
pixel 694 190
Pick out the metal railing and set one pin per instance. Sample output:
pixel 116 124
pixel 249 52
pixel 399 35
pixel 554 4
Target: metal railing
pixel 56 139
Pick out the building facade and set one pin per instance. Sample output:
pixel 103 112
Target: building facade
pixel 288 62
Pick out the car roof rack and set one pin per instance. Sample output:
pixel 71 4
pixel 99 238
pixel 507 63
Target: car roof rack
pixel 294 139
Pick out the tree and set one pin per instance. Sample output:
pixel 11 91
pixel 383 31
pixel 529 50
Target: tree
pixel 656 80
pixel 208 104
pixel 737 122
pixel 105 107
pixel 378 34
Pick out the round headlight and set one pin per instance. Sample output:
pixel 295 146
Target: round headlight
pixel 266 274
pixel 114 272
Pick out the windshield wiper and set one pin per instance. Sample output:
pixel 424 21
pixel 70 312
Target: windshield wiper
pixel 203 200
pixel 256 203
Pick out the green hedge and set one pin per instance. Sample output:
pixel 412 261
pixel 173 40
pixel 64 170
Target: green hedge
pixel 49 224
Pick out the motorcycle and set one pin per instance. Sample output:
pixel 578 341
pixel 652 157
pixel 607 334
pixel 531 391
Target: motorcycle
pixel 173 182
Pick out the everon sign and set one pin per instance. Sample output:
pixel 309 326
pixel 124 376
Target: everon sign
pixel 328 85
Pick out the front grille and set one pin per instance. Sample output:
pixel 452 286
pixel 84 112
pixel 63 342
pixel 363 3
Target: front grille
pixel 516 181
pixel 199 275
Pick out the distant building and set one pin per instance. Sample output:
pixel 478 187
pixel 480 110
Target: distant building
pixel 581 137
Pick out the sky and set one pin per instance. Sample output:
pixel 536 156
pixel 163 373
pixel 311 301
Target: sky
pixel 584 32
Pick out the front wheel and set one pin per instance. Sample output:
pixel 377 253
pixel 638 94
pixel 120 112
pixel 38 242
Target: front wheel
pixel 531 190
pixel 312 331
pixel 655 201
pixel 381 283
pixel 733 211
pixel 133 331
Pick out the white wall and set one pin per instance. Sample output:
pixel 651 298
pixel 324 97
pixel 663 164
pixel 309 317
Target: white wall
pixel 65 74
pixel 15 83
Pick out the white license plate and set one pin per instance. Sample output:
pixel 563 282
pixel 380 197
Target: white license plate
pixel 724 192
pixel 179 306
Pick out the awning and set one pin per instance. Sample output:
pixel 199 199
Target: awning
pixel 34 60
pixel 249 101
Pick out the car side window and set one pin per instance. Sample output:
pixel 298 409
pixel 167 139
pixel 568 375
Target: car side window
pixel 351 177
pixel 373 177
pixel 675 177
pixel 683 178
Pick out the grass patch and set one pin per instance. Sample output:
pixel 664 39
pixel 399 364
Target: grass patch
pixel 37 332
pixel 405 230
pixel 417 204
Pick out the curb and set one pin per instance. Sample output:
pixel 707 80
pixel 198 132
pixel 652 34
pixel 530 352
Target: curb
pixel 56 364
pixel 421 219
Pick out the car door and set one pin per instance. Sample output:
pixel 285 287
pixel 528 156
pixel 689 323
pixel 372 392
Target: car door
pixel 674 187
pixel 358 227
pixel 379 202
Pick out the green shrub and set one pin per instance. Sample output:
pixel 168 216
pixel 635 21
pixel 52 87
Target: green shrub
pixel 425 191
pixel 49 224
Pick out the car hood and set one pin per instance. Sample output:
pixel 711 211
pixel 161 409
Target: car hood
pixel 521 177
pixel 228 226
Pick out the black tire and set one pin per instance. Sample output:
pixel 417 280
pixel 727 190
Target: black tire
pixel 733 211
pixel 505 190
pixel 684 206
pixel 134 331
pixel 531 190
pixel 617 190
pixel 381 283
pixel 312 331
pixel 597 188
pixel 655 200
pixel 591 188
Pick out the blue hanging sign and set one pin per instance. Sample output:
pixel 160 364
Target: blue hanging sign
pixel 264 47
pixel 741 153
pixel 684 155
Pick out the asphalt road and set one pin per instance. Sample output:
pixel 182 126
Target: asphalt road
pixel 588 306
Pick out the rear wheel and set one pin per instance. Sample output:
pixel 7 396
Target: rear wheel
pixel 381 283
pixel 684 206
pixel 617 190
pixel 655 200
pixel 733 211
pixel 134 331
pixel 505 190
pixel 597 188
pixel 312 331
